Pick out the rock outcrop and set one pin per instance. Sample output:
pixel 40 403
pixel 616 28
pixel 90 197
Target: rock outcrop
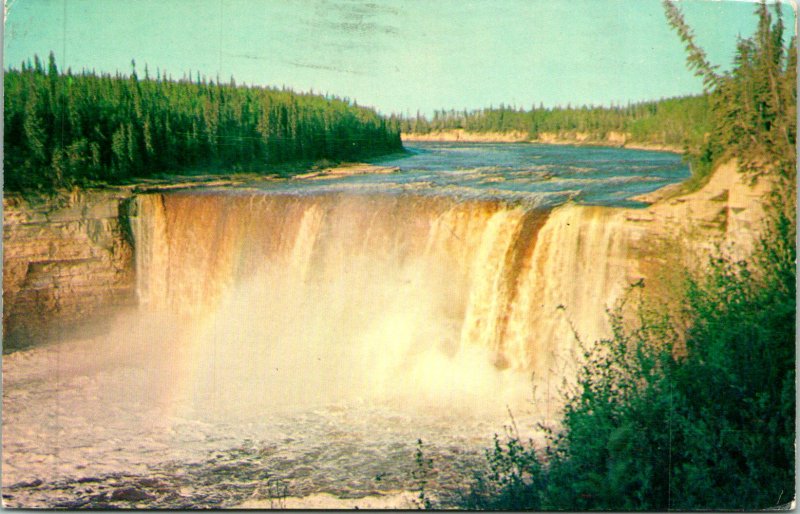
pixel 65 260
pixel 724 215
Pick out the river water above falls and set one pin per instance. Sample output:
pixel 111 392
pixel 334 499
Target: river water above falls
pixel 544 175
pixel 298 337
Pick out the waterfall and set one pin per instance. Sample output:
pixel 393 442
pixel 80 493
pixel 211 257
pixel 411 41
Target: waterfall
pixel 578 269
pixel 148 225
pixel 330 296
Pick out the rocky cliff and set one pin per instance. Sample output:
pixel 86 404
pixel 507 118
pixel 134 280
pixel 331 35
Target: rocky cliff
pixel 65 260
pixel 725 215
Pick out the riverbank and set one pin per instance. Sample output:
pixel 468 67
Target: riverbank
pixel 210 179
pixel 611 139
pixel 462 136
pixel 347 170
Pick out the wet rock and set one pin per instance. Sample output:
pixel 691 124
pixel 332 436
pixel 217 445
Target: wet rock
pixel 63 259
pixel 130 494
pixel 86 480
pixel 72 504
pixel 152 483
pixel 32 483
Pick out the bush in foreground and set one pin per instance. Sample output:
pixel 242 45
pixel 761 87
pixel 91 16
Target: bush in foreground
pixel 659 421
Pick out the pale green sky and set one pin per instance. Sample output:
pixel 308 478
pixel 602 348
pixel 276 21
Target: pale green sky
pixel 396 55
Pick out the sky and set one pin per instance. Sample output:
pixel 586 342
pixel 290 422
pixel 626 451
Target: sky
pixel 398 56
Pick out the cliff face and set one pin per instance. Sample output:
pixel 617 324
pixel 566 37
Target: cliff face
pixel 65 260
pixel 726 214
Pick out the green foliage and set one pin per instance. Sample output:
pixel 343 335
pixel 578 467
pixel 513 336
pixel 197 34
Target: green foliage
pixel 696 59
pixel 514 479
pixel 740 417
pixel 615 441
pixel 654 426
pixel 674 121
pixel 753 106
pixel 65 129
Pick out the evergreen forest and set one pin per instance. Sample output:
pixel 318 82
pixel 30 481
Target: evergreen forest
pixel 672 121
pixel 65 129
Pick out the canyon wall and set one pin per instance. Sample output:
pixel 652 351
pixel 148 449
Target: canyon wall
pixel 723 216
pixel 65 260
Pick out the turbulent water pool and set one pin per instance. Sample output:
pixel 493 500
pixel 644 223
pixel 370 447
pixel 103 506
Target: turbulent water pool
pixel 294 341
pixel 97 435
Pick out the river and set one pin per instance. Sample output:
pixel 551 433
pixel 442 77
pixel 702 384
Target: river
pixel 297 338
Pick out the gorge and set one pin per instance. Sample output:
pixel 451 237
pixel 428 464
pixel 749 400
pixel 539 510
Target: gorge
pixel 279 324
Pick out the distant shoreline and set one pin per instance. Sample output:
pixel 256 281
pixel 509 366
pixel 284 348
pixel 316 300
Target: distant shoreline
pixel 612 139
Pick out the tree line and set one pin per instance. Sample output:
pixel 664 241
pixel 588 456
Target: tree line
pixel 673 121
pixel 66 129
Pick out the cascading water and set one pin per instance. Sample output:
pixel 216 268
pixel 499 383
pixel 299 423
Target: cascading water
pixel 310 333
pixel 430 301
